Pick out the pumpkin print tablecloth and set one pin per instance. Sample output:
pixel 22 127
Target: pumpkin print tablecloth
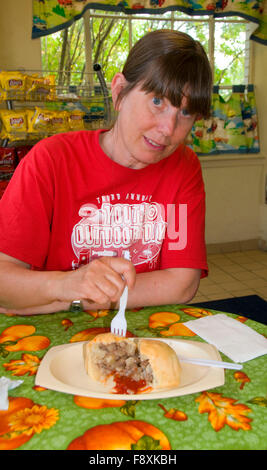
pixel 232 416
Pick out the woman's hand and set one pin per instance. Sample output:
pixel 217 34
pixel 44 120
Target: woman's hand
pixel 101 281
pixel 98 284
pixel 26 292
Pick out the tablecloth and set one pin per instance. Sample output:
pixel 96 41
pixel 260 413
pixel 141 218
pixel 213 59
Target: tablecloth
pixel 232 416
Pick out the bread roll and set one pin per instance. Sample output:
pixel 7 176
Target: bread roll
pixel 142 364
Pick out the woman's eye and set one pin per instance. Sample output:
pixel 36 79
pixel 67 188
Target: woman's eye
pixel 185 112
pixel 157 101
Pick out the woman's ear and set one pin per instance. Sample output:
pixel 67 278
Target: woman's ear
pixel 118 83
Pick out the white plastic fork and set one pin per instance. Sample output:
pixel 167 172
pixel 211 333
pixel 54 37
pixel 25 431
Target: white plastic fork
pixel 118 325
pixel 211 363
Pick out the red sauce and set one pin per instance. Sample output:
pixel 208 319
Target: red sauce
pixel 126 385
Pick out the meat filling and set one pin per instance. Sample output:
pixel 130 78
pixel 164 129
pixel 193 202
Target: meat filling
pixel 123 358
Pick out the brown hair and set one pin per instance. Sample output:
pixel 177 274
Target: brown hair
pixel 170 64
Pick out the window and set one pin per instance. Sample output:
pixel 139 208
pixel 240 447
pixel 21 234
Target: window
pixel 105 38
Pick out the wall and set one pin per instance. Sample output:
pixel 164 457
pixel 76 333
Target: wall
pixel 260 74
pixel 233 195
pixel 234 184
pixel 259 78
pixel 17 49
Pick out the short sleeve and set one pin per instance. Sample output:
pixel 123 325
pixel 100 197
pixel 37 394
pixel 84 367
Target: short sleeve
pixel 184 244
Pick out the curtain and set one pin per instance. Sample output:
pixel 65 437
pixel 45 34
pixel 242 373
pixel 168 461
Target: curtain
pixel 50 16
pixel 232 127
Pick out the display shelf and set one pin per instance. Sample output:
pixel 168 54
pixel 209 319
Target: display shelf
pixel 36 107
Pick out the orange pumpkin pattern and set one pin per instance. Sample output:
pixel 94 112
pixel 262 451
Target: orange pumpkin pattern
pixel 196 312
pixel 90 333
pixel 20 338
pixel 120 436
pixel 97 403
pixel 167 324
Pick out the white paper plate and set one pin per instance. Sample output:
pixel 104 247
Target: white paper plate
pixel 62 369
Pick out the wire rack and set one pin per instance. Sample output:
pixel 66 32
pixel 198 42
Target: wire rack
pixel 38 91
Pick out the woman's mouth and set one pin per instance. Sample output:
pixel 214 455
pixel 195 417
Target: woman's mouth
pixel 154 145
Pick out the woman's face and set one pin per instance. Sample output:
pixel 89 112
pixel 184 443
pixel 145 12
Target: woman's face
pixel 148 128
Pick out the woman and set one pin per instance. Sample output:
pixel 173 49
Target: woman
pixel 78 201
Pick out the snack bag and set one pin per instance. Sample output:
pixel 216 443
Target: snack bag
pixel 39 121
pixel 14 124
pixel 29 113
pixel 76 121
pixel 7 159
pixel 50 80
pixel 59 122
pixel 12 85
pixel 2 93
pixel 37 88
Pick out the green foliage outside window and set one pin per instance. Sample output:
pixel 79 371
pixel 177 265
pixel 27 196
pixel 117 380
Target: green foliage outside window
pixel 64 52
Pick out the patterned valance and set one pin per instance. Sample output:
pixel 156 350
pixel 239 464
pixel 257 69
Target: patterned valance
pixel 50 16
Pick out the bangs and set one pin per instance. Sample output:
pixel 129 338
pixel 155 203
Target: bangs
pixel 175 79
pixel 173 65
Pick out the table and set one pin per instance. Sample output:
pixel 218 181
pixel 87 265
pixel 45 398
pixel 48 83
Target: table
pixel 232 416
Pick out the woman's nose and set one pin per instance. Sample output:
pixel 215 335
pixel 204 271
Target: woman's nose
pixel 167 122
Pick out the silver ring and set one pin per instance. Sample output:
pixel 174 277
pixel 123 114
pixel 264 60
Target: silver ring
pixel 76 306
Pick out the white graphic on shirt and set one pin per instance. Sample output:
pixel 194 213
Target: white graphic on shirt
pixel 114 228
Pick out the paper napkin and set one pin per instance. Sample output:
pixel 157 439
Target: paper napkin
pixel 5 385
pixel 237 341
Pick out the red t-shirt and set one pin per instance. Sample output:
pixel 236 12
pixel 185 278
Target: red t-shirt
pixel 68 203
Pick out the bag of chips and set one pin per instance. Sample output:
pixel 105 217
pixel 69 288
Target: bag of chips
pixel 7 159
pixel 40 88
pixel 76 121
pixel 12 85
pixel 50 80
pixel 13 124
pixel 39 121
pixel 59 122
